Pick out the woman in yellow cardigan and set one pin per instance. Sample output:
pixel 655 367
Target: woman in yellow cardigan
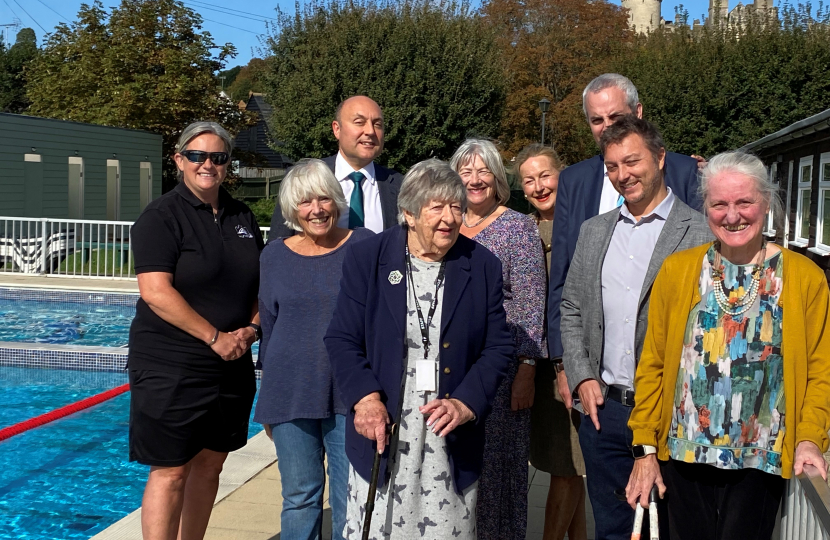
pixel 733 385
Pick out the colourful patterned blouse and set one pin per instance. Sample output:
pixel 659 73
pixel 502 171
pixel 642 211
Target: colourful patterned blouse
pixel 729 399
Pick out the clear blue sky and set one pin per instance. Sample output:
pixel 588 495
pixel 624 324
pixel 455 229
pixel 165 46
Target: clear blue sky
pixel 240 24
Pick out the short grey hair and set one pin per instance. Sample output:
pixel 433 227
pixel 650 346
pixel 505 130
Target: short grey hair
pixel 746 164
pixel 488 153
pixel 200 128
pixel 308 179
pixel 612 80
pixel 429 180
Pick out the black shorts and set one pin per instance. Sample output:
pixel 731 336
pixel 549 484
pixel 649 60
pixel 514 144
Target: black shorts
pixel 174 417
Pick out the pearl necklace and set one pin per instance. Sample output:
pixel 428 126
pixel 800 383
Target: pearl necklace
pixel 737 306
pixel 479 222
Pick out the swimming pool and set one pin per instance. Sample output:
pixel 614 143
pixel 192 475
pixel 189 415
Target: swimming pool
pixel 69 479
pixel 77 323
pixel 68 318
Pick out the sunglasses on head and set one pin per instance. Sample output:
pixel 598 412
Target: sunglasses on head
pixel 197 156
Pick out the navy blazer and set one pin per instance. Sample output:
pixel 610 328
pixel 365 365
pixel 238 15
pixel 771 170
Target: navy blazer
pixel 389 183
pixel 577 200
pixel 366 342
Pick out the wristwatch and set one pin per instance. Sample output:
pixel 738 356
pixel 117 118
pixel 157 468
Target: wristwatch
pixel 257 329
pixel 529 362
pixel 558 366
pixel 642 450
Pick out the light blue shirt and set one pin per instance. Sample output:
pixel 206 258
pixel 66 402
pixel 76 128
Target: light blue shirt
pixel 623 272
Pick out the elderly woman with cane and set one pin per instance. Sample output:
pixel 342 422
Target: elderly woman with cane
pixel 419 339
pixel 733 386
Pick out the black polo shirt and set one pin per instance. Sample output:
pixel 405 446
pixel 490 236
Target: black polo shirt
pixel 215 267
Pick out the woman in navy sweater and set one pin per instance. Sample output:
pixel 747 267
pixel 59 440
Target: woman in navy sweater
pixel 299 403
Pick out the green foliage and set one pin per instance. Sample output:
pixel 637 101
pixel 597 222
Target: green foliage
pixel 249 79
pixel 102 262
pixel 146 65
pixel 432 67
pixel 263 209
pixel 719 88
pixel 12 61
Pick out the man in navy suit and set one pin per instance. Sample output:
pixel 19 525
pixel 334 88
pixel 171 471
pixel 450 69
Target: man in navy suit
pixel 585 191
pixel 370 189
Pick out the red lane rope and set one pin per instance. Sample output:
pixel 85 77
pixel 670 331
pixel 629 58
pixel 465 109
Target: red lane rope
pixel 51 416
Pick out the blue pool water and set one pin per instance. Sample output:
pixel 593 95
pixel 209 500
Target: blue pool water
pixel 67 323
pixel 71 478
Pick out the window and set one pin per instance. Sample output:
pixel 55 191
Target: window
pixel 769 226
pixel 145 184
pixel 75 201
pixel 113 189
pixel 802 213
pixel 823 221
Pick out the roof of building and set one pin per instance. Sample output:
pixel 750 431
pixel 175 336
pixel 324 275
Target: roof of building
pixel 256 139
pixel 807 126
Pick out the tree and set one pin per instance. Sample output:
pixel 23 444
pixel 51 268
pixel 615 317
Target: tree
pixel 249 79
pixel 432 67
pixel 146 66
pixel 12 62
pixel 720 87
pixel 552 49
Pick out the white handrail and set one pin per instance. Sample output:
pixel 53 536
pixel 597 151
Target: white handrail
pixel 805 509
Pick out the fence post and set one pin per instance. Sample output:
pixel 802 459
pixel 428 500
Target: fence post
pixel 44 222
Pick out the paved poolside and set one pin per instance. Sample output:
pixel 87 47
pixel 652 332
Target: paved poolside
pixel 87 284
pixel 249 501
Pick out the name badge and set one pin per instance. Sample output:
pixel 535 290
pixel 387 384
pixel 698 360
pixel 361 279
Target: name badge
pixel 425 371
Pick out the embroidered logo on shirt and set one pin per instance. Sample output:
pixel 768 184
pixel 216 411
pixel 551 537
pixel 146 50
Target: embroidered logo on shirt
pixel 242 232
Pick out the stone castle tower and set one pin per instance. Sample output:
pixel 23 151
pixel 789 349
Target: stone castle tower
pixel 643 15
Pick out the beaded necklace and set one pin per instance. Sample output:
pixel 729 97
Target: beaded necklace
pixel 735 305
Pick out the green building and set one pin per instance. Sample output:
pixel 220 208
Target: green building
pixel 70 170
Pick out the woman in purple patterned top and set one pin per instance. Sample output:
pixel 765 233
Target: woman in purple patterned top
pixel 513 237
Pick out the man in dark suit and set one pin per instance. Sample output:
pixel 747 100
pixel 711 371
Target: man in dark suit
pixel 585 191
pixel 370 189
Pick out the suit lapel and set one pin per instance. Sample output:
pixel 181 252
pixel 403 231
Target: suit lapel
pixel 388 200
pixel 677 223
pixel 393 259
pixel 457 278
pixel 595 188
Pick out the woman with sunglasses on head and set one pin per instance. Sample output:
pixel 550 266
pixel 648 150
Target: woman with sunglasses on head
pixel 191 372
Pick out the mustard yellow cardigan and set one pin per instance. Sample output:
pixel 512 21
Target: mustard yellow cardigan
pixel 805 348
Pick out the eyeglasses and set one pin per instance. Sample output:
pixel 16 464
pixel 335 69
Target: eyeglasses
pixel 197 156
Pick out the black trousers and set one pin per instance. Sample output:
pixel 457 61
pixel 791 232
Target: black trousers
pixel 707 503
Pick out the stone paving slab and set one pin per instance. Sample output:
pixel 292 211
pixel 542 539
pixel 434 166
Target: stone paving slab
pixel 86 284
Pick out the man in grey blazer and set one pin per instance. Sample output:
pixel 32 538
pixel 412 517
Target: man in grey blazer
pixel 605 307
pixel 370 189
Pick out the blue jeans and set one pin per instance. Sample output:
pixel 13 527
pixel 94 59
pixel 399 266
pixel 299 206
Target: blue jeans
pixel 608 465
pixel 301 445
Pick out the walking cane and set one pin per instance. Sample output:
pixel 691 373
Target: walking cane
pixel 653 520
pixel 373 488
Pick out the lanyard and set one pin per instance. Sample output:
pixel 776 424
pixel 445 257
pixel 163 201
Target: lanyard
pixel 424 324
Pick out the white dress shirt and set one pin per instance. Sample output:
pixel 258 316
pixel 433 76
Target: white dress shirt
pixel 610 198
pixel 372 215
pixel 623 272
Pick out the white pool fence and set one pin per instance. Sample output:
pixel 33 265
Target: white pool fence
pixel 79 248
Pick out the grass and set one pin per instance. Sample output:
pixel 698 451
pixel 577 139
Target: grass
pixel 102 262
